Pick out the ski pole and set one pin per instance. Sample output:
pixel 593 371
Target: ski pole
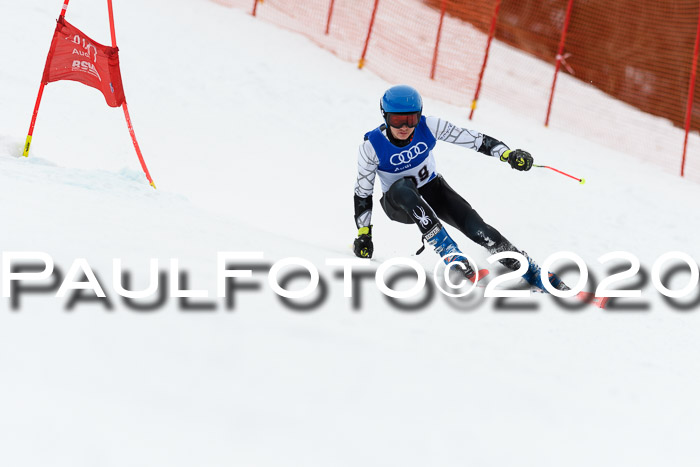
pixel 580 180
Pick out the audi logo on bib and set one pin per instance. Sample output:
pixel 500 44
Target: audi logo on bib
pixel 406 156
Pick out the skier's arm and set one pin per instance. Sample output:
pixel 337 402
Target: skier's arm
pixel 492 147
pixel 367 163
pixel 485 144
pixel 470 139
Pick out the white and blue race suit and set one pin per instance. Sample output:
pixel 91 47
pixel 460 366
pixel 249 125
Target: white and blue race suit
pixel 416 160
pixel 377 155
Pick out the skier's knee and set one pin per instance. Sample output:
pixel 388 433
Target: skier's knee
pixel 403 193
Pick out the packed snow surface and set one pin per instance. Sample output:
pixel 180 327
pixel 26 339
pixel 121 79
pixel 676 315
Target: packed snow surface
pixel 251 133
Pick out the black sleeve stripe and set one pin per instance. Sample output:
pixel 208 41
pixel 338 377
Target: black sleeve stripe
pixel 488 144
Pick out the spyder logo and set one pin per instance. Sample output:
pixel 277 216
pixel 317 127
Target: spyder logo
pixel 423 218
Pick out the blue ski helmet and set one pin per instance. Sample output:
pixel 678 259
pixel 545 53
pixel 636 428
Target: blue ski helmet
pixel 401 99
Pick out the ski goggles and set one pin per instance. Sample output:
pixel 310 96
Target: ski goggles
pixel 399 120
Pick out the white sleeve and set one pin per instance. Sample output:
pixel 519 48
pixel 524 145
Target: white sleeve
pixel 470 139
pixel 367 163
pixel 446 131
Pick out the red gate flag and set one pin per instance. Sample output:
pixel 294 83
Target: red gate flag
pixel 74 56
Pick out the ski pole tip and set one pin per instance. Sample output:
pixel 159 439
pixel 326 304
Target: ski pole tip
pixel 583 181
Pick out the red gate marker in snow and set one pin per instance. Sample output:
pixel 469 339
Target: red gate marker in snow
pixel 74 56
pixel 560 56
pixel 443 7
pixel 492 32
pixel 691 94
pixel 369 34
pixel 330 16
pixel 125 107
pixel 30 133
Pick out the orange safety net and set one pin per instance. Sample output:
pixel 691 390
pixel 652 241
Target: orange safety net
pixel 402 45
pixel 633 58
pixel 639 52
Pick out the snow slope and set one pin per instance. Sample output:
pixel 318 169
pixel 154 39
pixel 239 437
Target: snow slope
pixel 250 133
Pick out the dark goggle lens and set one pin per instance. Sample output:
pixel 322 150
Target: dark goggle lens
pixel 399 120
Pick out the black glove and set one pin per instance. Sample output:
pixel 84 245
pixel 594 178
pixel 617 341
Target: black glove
pixel 363 246
pixel 518 159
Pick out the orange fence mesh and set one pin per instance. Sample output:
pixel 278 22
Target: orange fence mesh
pixel 402 43
pixel 639 52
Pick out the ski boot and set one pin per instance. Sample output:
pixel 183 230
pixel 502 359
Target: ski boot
pixel 534 278
pixel 444 246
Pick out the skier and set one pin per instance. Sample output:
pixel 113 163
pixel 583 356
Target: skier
pixel 401 152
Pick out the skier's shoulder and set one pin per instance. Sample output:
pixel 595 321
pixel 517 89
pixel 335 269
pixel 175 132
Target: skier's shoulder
pixel 438 126
pixel 381 129
pixel 367 153
pixel 432 120
pixel 377 140
pixel 444 130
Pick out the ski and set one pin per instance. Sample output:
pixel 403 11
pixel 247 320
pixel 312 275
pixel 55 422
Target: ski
pixel 591 299
pixel 481 273
pixel 585 297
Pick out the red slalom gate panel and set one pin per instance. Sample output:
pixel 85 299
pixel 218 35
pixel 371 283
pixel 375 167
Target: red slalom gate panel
pixel 97 65
pixel 74 56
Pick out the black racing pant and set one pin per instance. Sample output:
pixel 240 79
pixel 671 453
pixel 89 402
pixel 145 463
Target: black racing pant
pixel 435 201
